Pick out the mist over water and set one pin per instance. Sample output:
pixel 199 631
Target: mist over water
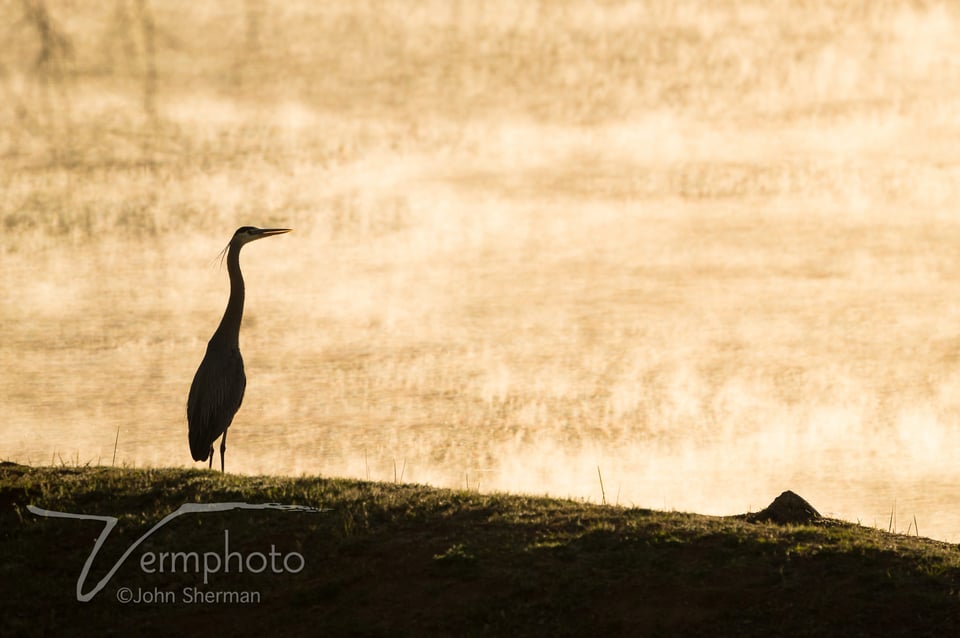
pixel 639 283
pixel 513 360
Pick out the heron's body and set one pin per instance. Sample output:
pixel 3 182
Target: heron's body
pixel 219 384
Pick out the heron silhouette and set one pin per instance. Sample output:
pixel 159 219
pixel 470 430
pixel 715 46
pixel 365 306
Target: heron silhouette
pixel 217 389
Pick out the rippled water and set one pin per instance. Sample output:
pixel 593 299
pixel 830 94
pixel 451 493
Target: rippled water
pixel 688 359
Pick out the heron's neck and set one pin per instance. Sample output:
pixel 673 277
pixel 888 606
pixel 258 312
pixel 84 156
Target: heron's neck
pixel 228 331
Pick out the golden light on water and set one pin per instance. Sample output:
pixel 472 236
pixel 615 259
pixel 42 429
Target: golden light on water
pixel 711 250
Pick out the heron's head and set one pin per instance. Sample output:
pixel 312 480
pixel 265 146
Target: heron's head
pixel 247 234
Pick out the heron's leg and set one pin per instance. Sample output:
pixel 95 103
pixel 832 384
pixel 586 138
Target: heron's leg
pixel 223 449
pixel 210 466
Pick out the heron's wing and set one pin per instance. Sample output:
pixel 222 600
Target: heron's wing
pixel 215 396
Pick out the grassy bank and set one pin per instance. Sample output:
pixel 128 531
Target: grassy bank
pixel 394 559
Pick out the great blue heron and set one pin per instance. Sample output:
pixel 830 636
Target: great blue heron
pixel 217 389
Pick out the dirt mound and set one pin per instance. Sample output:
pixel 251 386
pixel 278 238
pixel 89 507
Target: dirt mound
pixel 786 509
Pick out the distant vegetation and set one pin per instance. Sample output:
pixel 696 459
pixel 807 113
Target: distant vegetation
pixel 196 91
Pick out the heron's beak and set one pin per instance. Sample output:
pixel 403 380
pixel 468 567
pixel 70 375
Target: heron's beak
pixel 267 232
